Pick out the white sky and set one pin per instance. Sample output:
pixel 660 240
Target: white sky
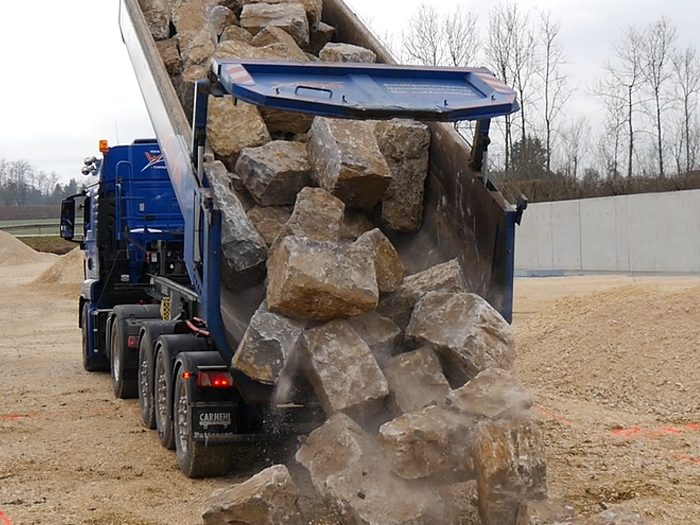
pixel 66 80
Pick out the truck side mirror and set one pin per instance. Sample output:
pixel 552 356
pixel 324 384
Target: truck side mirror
pixel 68 219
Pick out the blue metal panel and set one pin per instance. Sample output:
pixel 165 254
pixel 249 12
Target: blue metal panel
pixel 368 91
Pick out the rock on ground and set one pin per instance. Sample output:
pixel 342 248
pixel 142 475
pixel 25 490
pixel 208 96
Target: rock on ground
pixel 342 370
pixel 291 17
pixel 387 263
pixel 616 517
pixel 243 251
pixel 416 380
pixel 546 512
pixel 319 281
pixel 466 332
pixel 270 221
pixel 317 215
pixel 346 161
pixel 446 277
pixel 268 498
pixel 405 145
pixel 338 52
pixel 494 393
pixel 381 335
pixel 274 173
pixel 509 460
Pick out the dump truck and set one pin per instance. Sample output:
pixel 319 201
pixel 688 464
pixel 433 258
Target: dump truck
pixel 153 309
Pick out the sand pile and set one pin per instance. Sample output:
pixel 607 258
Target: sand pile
pixel 68 269
pixel 632 347
pixel 14 252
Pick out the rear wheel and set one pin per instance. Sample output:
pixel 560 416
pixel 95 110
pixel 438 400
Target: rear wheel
pixel 91 362
pixel 162 407
pixel 145 388
pixel 194 458
pixel 123 388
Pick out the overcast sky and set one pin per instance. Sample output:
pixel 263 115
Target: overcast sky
pixel 66 80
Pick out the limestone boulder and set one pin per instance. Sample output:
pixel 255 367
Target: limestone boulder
pixel 268 498
pixel 433 442
pixel 274 173
pixel 381 335
pixel 346 161
pixel 219 17
pixel 287 124
pixel 616 516
pixel 466 332
pixel 243 250
pixel 405 145
pixel 171 56
pixel 233 127
pixel 184 86
pixel 197 37
pixel 235 33
pixel 157 13
pixel 314 8
pixel 355 223
pixel 340 52
pixel 290 17
pixel 320 36
pixel 317 280
pixel 446 277
pixel 239 48
pixel 546 512
pixel 494 393
pixel 274 35
pixel 270 221
pixel 390 270
pixel 509 460
pixel 416 380
pixel 317 215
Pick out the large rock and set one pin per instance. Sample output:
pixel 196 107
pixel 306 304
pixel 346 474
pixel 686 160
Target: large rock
pixel 320 281
pixel 243 251
pixel 274 173
pixel 320 36
pixel 267 342
pixel 387 263
pixel 466 332
pixel 405 145
pixel 446 277
pixel 494 393
pixel 157 13
pixel 317 215
pixel 274 35
pixel 347 162
pixel 219 17
pixel 314 8
pixel 433 442
pixel 338 52
pixel 270 221
pixel 238 49
pixel 197 37
pixel 285 123
pixel 416 380
pixel 355 223
pixel 288 16
pixel 546 512
pixel 236 33
pixel 509 460
pixel 234 127
pixel 381 335
pixel 347 468
pixel 184 86
pixel 268 498
pixel 616 516
pixel 342 370
pixel 170 54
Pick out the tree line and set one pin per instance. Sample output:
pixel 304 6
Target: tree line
pixel 21 184
pixel 645 136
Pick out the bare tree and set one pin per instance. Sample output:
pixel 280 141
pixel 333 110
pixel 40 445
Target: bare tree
pixel 576 146
pixel 686 70
pixel 461 34
pixel 656 51
pixel 423 41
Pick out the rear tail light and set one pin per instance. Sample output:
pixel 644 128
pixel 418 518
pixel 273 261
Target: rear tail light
pixel 133 341
pixel 214 379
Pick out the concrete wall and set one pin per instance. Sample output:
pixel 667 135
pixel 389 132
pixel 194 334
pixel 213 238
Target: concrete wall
pixel 646 233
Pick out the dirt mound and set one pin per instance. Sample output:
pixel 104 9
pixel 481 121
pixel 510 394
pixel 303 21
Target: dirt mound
pixel 632 347
pixel 68 269
pixel 14 252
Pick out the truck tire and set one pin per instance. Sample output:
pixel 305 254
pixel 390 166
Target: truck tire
pixel 194 458
pixel 91 363
pixel 123 388
pixel 161 402
pixel 150 332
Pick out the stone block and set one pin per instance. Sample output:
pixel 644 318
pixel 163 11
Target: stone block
pixel 355 223
pixel 494 393
pixel 339 52
pixel 236 33
pixel 270 221
pixel 320 36
pixel 157 13
pixel 290 17
pixel 317 215
pixel 546 512
pixel 171 56
pixel 390 270
pixel 381 335
pixel 616 516
pixel 416 380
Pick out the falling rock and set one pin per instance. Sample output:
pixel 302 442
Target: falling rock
pixel 314 8
pixel 346 161
pixel 171 56
pixel 416 380
pixel 317 215
pixel 387 263
pixel 268 498
pixel 235 33
pixel 355 223
pixel 316 280
pixel 267 342
pixel 157 13
pixel 494 393
pixel 274 173
pixel 616 516
pixel 468 335
pixel 446 277
pixel 336 52
pixel 342 370
pixel 381 335
pixel 405 145
pixel 270 221
pixel 431 442
pixel 509 460
pixel 243 251
pixel 290 17
pixel 546 512
pixel 320 36
pixel 233 127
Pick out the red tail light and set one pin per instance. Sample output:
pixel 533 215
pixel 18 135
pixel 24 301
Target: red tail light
pixel 133 341
pixel 214 379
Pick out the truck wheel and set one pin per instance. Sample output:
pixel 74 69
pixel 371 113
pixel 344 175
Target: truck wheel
pixel 163 409
pixel 194 458
pixel 146 404
pixel 123 388
pixel 91 363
